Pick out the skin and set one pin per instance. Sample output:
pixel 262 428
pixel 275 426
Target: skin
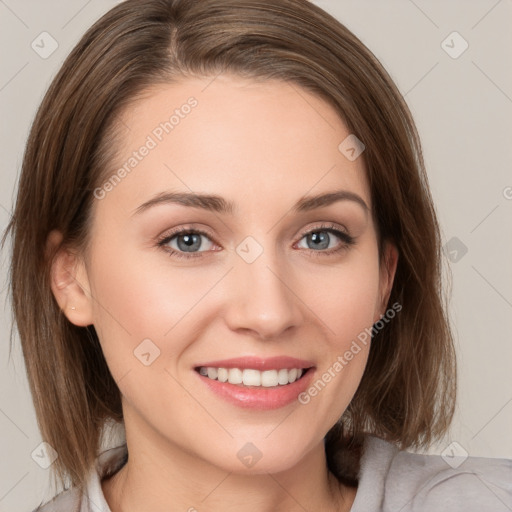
pixel 263 146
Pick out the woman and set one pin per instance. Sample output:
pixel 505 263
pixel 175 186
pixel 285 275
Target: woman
pixel 224 240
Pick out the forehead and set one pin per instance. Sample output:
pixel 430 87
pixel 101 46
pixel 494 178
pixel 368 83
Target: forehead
pixel 258 144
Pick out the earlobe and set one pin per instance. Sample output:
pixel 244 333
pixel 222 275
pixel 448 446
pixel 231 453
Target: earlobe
pixel 69 283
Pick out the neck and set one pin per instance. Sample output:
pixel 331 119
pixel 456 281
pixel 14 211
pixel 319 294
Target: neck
pixel 163 477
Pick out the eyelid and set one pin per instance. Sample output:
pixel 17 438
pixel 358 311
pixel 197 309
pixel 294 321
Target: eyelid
pixel 325 227
pixel 344 235
pixel 168 236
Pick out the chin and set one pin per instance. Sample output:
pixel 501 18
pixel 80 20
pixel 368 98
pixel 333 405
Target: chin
pixel 261 456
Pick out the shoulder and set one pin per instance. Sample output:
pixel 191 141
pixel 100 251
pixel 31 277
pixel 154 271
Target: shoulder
pixel 414 482
pixel 92 500
pixel 66 501
pixel 429 482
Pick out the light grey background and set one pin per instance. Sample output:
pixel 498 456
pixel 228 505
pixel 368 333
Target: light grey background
pixel 463 109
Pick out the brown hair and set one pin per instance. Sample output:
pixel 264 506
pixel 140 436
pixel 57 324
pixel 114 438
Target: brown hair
pixel 407 393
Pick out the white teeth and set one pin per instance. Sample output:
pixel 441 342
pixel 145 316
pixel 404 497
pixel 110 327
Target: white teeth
pixel 222 374
pixel 250 377
pixel 282 377
pixel 269 378
pixel 235 376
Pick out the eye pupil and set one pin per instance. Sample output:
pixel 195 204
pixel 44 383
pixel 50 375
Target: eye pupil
pixel 322 237
pixel 189 240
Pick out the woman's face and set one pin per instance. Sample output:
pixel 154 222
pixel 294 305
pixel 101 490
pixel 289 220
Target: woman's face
pixel 267 277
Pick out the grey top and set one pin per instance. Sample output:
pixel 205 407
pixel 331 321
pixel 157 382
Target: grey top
pixel 390 480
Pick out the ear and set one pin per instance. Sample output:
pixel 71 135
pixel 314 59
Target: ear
pixel 69 282
pixel 387 277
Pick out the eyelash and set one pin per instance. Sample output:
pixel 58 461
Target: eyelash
pixel 345 237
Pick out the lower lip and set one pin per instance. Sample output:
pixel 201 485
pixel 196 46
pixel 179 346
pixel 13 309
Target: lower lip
pixel 259 398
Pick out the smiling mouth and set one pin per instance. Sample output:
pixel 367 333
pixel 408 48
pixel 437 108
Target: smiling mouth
pixel 252 378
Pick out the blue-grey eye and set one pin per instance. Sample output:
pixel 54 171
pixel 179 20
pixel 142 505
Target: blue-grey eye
pixel 187 241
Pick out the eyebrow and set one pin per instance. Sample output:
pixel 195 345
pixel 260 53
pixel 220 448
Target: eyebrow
pixel 218 204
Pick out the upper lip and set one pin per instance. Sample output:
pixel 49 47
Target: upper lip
pixel 258 363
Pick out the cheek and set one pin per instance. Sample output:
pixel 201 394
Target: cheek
pixel 347 295
pixel 151 305
pixel 347 309
pixel 138 297
pixel 136 300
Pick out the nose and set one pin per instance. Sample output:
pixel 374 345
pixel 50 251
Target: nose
pixel 261 298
